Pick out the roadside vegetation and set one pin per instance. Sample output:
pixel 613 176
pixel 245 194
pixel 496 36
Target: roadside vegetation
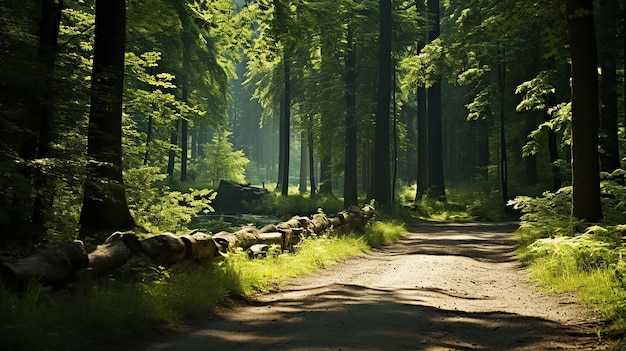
pixel 140 296
pixel 565 254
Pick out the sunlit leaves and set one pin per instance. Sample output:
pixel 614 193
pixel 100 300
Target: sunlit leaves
pixel 536 90
pixel 222 161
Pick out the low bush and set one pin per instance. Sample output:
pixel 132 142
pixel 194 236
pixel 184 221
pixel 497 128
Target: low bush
pixel 565 254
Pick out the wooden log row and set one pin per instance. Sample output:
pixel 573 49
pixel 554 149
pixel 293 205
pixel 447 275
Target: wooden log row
pixel 60 264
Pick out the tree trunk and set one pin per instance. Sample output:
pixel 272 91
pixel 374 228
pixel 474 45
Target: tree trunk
pixel 184 142
pixel 48 36
pixel 148 141
pixel 285 125
pixel 350 178
pixel 394 112
pixel 552 139
pixel 311 160
pixel 607 55
pixel 436 187
pixel 422 120
pixel 194 144
pixel 183 76
pixel 303 162
pixel 104 204
pixel 585 164
pixel 503 165
pixel 381 181
pixel 530 161
pixel 482 149
pixel 171 159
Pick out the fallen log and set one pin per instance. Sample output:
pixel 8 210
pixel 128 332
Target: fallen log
pixel 52 267
pixel 116 250
pixel 258 250
pixel 273 238
pixel 319 223
pixel 244 238
pixel 164 249
pixel 334 222
pixel 199 246
pixel 296 222
pixel 268 228
pixel 346 217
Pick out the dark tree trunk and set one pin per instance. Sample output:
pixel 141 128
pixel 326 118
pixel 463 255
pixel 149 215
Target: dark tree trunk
pixel 148 141
pixel 482 148
pixel 436 187
pixel 422 144
pixel 585 164
pixel 422 117
pixel 381 175
pixel 184 142
pixel 326 183
pixel 285 127
pixel 104 205
pixel 42 111
pixel 552 140
pixel 202 139
pixel 185 39
pixel 184 137
pixel 394 103
pixel 624 55
pixel 350 179
pixel 503 165
pixel 171 159
pixel 530 161
pixel 311 160
pixel 194 144
pixel 607 54
pixel 303 162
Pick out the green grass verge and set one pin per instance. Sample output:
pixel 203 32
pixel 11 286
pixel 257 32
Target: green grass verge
pixel 92 315
pixel 589 264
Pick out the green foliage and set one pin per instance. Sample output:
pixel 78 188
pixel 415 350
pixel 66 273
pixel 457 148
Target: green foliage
pixel 536 90
pixel 222 162
pixel 463 204
pixel 548 213
pixel 568 255
pixel 156 208
pixel 297 204
pixel 381 233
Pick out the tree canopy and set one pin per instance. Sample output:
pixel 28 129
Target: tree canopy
pixel 505 98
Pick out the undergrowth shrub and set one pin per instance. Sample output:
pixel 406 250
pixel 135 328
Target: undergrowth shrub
pixel 156 208
pixel 296 204
pixel 568 255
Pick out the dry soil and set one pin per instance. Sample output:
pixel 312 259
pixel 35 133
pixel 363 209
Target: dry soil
pixel 444 286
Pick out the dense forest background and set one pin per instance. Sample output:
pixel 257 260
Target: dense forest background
pixel 122 112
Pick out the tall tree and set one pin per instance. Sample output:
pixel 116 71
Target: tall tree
pixel 350 169
pixel 436 187
pixel 183 77
pixel 381 182
pixel 607 58
pixel 585 163
pixel 42 111
pixel 104 203
pixel 285 126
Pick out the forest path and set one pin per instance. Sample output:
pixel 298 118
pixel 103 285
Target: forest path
pixel 444 286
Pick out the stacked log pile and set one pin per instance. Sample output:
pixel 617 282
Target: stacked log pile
pixel 66 262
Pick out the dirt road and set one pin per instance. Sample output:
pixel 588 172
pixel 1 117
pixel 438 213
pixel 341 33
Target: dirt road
pixel 444 286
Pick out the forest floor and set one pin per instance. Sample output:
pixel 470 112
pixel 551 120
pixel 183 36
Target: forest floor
pixel 444 286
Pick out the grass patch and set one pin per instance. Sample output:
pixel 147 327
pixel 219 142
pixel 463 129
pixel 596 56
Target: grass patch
pixel 92 316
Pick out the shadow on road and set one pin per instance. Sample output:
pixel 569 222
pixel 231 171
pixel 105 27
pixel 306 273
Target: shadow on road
pixel 345 315
pixel 353 317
